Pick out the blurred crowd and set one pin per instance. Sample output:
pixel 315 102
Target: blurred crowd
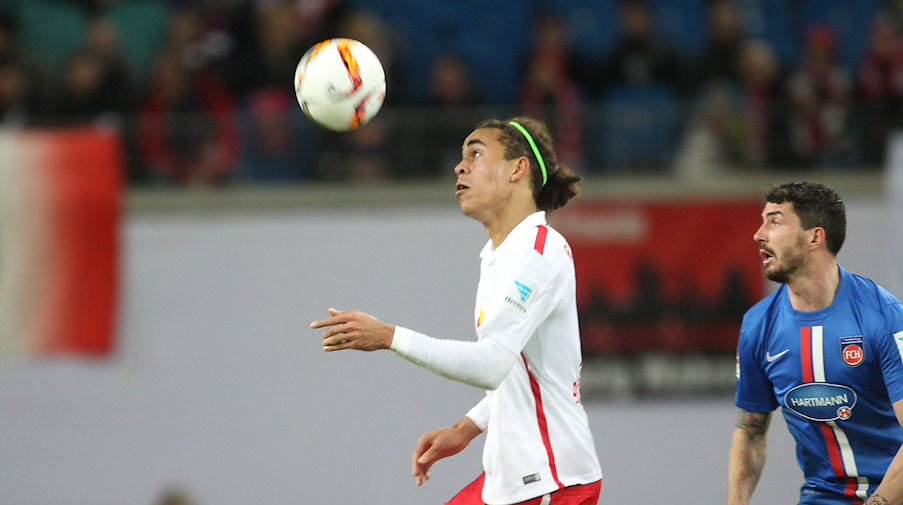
pixel 201 89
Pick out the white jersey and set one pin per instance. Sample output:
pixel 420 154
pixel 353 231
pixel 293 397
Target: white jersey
pixel 528 357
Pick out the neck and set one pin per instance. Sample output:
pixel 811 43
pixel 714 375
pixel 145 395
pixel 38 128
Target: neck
pixel 815 288
pixel 499 228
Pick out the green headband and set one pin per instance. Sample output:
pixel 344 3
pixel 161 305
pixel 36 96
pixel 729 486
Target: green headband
pixel 542 164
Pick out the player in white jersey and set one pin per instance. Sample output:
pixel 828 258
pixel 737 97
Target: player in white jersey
pixel 527 354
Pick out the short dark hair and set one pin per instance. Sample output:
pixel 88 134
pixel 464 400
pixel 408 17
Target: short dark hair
pixel 561 184
pixel 817 206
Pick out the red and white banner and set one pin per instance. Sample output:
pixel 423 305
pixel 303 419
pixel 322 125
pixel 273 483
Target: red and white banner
pixel 663 276
pixel 60 207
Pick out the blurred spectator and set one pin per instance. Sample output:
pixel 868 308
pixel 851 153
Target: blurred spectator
pixel 819 93
pixel 451 83
pixel 765 134
pixel 96 81
pixel 262 75
pixel 368 149
pixel 368 28
pixel 453 94
pixel 187 128
pixel 14 108
pixel 24 90
pixel 274 44
pixel 718 62
pixel 313 18
pixel 175 496
pixel 272 146
pixel 642 58
pixel 550 92
pixel 881 82
pixel 198 37
pixel 713 138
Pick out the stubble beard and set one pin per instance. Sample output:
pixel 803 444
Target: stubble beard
pixel 783 274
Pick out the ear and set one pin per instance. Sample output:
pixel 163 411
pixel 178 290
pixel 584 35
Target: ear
pixel 818 239
pixel 521 169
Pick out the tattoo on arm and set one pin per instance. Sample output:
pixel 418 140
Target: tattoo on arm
pixel 753 421
pixel 877 500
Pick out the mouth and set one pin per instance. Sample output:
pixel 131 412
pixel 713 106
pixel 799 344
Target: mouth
pixel 767 257
pixel 460 187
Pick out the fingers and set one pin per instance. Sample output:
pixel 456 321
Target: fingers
pixel 421 470
pixel 331 321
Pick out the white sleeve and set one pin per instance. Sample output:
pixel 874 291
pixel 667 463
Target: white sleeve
pixel 479 414
pixel 483 364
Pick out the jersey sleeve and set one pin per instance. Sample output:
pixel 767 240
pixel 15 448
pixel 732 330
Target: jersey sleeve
pixel 525 299
pixel 755 392
pixel 483 364
pixel 890 350
pixel 479 414
pixel 511 317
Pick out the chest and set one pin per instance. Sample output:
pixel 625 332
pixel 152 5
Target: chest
pixel 821 367
pixel 827 352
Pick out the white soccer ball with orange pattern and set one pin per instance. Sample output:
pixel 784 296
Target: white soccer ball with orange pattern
pixel 340 84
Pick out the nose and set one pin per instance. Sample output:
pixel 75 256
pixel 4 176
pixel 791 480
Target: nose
pixel 759 235
pixel 460 168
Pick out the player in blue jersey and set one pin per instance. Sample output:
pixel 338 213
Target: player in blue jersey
pixel 827 347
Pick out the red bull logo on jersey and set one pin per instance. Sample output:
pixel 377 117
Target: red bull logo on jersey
pixel 821 401
pixel 851 350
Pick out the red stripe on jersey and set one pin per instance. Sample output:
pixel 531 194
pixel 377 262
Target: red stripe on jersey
pixel 806 354
pixel 541 419
pixel 833 450
pixel 831 442
pixel 852 484
pixel 852 487
pixel 540 244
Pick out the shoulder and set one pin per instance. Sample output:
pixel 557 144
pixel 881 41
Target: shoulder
pixel 540 252
pixel 869 294
pixel 760 316
pixel 764 307
pixel 549 242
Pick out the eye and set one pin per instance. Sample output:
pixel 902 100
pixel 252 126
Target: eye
pixel 476 154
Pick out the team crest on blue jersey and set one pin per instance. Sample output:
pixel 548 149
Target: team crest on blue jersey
pixel 821 401
pixel 851 350
pixel 520 296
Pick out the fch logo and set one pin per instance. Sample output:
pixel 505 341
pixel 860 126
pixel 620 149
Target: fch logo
pixel 851 350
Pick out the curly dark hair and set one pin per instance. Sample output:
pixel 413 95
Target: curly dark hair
pixel 561 184
pixel 817 206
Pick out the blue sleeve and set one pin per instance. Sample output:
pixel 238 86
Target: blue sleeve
pixel 890 351
pixel 755 392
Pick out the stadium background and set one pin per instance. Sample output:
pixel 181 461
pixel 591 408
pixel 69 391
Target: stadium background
pixel 160 257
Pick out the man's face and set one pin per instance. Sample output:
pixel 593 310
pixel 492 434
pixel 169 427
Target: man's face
pixel 484 175
pixel 782 242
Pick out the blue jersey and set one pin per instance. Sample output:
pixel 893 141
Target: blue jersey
pixel 835 373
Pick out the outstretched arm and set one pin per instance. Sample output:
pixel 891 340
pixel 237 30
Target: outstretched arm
pixel 483 364
pixel 890 492
pixel 747 456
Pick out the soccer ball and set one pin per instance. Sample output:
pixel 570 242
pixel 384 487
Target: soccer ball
pixel 340 84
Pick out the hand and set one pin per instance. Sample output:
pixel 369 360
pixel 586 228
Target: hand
pixel 440 444
pixel 354 330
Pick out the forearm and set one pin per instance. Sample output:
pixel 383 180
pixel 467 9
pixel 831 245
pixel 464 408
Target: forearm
pixel 483 364
pixel 467 428
pixel 890 491
pixel 747 457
